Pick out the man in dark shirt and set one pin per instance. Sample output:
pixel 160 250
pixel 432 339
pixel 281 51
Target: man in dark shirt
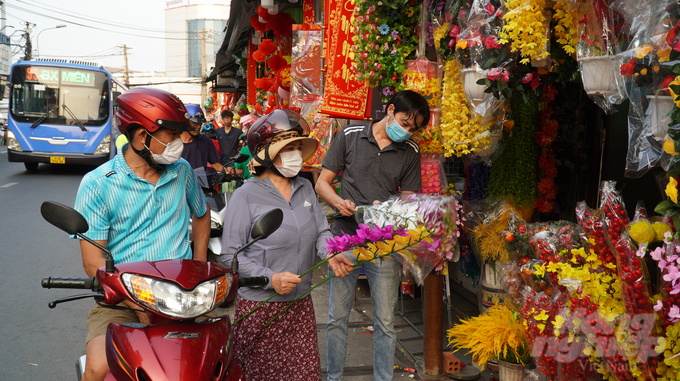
pixel 377 160
pixel 199 149
pixel 228 137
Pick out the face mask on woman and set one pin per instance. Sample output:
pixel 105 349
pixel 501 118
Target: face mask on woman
pixel 291 163
pixel 396 132
pixel 171 153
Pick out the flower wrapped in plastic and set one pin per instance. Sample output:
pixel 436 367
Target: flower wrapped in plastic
pixel 430 215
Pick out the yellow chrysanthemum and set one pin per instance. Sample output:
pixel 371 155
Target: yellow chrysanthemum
pixel 642 231
pixel 661 228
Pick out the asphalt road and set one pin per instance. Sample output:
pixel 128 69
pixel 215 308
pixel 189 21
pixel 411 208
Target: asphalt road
pixel 36 342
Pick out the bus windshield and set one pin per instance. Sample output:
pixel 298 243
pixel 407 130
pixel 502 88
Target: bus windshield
pixel 41 92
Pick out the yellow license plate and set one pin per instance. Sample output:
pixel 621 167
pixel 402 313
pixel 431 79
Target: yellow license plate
pixel 57 160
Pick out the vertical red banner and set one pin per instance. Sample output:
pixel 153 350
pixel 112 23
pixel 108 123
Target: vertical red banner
pixel 251 74
pixel 308 16
pixel 344 96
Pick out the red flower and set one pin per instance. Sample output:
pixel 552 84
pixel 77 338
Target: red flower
pixel 454 31
pixel 672 35
pixel 506 75
pixel 628 69
pixel 490 9
pixel 535 82
pixel 527 78
pixel 493 74
pixel 492 43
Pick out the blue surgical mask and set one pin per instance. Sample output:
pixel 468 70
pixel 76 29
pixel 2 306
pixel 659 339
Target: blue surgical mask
pixel 396 132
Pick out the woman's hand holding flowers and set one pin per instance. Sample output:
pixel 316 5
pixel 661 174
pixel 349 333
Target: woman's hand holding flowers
pixel 285 282
pixel 340 264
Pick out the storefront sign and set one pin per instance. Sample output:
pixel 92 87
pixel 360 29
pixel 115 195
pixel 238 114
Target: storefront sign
pixel 344 96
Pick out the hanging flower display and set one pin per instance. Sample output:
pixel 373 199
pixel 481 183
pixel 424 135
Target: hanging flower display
pixel 524 29
pixel 462 131
pixel 545 137
pixel 385 37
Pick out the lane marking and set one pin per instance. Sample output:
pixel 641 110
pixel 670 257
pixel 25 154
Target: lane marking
pixel 8 185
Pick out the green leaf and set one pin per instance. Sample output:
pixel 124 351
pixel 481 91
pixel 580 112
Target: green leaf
pixel 487 82
pixel 664 207
pixel 676 69
pixel 675 88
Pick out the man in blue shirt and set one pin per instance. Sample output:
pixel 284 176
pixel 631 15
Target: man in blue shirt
pixel 199 149
pixel 138 205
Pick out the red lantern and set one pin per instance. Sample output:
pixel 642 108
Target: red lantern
pixel 262 83
pixel 276 62
pixel 283 78
pixel 282 24
pixel 257 25
pixel 259 56
pixel 262 12
pixel 267 47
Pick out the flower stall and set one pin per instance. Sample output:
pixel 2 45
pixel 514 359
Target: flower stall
pixel 542 102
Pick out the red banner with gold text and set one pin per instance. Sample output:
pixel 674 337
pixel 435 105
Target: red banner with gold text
pixel 344 96
pixel 308 12
pixel 251 74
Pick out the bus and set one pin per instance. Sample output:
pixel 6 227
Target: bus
pixel 61 112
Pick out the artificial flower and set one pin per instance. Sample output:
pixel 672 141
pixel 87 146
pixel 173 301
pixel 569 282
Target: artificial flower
pixel 672 190
pixel 642 51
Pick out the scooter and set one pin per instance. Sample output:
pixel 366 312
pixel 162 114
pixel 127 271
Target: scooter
pixel 174 346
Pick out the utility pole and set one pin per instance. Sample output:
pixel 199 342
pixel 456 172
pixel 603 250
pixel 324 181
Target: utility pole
pixel 204 90
pixel 127 71
pixel 29 47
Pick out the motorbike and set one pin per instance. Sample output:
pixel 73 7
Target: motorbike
pixel 175 345
pixel 218 204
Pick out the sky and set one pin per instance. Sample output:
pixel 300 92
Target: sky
pixel 95 29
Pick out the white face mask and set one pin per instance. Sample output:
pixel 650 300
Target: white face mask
pixel 291 163
pixel 171 153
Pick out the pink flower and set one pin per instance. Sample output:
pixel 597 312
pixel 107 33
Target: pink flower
pixel 527 78
pixel 490 9
pixel 494 74
pixel 491 42
pixel 658 306
pixel 674 313
pixel 360 19
pixel 672 275
pixel 657 254
pixel 337 244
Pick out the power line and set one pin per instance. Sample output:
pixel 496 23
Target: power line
pixel 89 18
pixel 92 27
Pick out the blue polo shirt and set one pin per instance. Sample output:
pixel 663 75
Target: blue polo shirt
pixel 139 220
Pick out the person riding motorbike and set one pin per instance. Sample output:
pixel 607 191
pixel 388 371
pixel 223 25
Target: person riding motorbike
pixel 138 205
pixel 198 148
pixel 279 142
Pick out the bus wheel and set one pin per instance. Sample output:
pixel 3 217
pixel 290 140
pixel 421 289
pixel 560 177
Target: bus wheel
pixel 31 167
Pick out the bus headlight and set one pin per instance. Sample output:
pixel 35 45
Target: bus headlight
pixel 104 146
pixel 12 142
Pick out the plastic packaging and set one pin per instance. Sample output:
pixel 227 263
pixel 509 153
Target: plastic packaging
pixel 432 173
pixel 436 214
pixel 305 69
pixel 322 128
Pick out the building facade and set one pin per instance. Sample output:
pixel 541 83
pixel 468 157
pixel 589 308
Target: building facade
pixel 184 22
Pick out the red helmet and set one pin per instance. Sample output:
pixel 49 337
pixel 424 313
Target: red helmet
pixel 273 131
pixel 151 109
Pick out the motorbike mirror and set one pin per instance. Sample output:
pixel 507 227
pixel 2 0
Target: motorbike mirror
pixel 72 222
pixel 64 217
pixel 267 225
pixel 240 158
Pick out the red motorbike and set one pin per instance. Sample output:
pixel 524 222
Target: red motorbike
pixel 175 346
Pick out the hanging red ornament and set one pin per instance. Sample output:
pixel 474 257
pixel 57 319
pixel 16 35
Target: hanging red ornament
pixel 283 78
pixel 267 47
pixel 259 56
pixel 276 62
pixel 263 83
pixel 262 12
pixel 282 24
pixel 257 25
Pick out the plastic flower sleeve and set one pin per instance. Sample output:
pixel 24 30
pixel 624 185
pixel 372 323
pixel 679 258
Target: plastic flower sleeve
pixel 432 173
pixel 602 40
pixel 592 233
pixel 305 70
pixel 432 215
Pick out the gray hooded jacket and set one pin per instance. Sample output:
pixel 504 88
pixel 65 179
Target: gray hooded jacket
pixel 293 247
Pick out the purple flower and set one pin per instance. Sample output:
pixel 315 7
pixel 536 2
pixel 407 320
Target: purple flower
pixel 672 275
pixel 355 240
pixel 395 34
pixel 367 233
pixel 387 91
pixel 434 245
pixel 337 244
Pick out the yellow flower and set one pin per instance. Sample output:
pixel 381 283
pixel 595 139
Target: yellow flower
pixel 664 54
pixel 642 51
pixel 642 231
pixel 539 270
pixel 669 146
pixel 409 12
pixel 461 44
pixel 675 82
pixel 542 316
pixel 672 189
pixel 643 71
pixel 660 228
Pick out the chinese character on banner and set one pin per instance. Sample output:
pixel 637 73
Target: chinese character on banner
pixel 344 96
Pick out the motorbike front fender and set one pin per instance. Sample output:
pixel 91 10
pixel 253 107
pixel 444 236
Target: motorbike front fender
pixel 172 351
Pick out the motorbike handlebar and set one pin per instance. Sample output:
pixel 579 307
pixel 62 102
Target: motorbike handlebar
pixel 78 283
pixel 253 281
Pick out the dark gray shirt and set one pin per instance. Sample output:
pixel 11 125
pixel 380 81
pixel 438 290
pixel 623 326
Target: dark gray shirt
pixel 293 247
pixel 369 173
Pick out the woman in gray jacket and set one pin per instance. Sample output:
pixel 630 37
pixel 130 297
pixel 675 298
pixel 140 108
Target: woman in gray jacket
pixel 287 349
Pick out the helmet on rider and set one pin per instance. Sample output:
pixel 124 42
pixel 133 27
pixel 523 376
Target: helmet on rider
pixel 195 113
pixel 150 109
pixel 269 134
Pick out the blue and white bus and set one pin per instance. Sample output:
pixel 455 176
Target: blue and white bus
pixel 61 112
